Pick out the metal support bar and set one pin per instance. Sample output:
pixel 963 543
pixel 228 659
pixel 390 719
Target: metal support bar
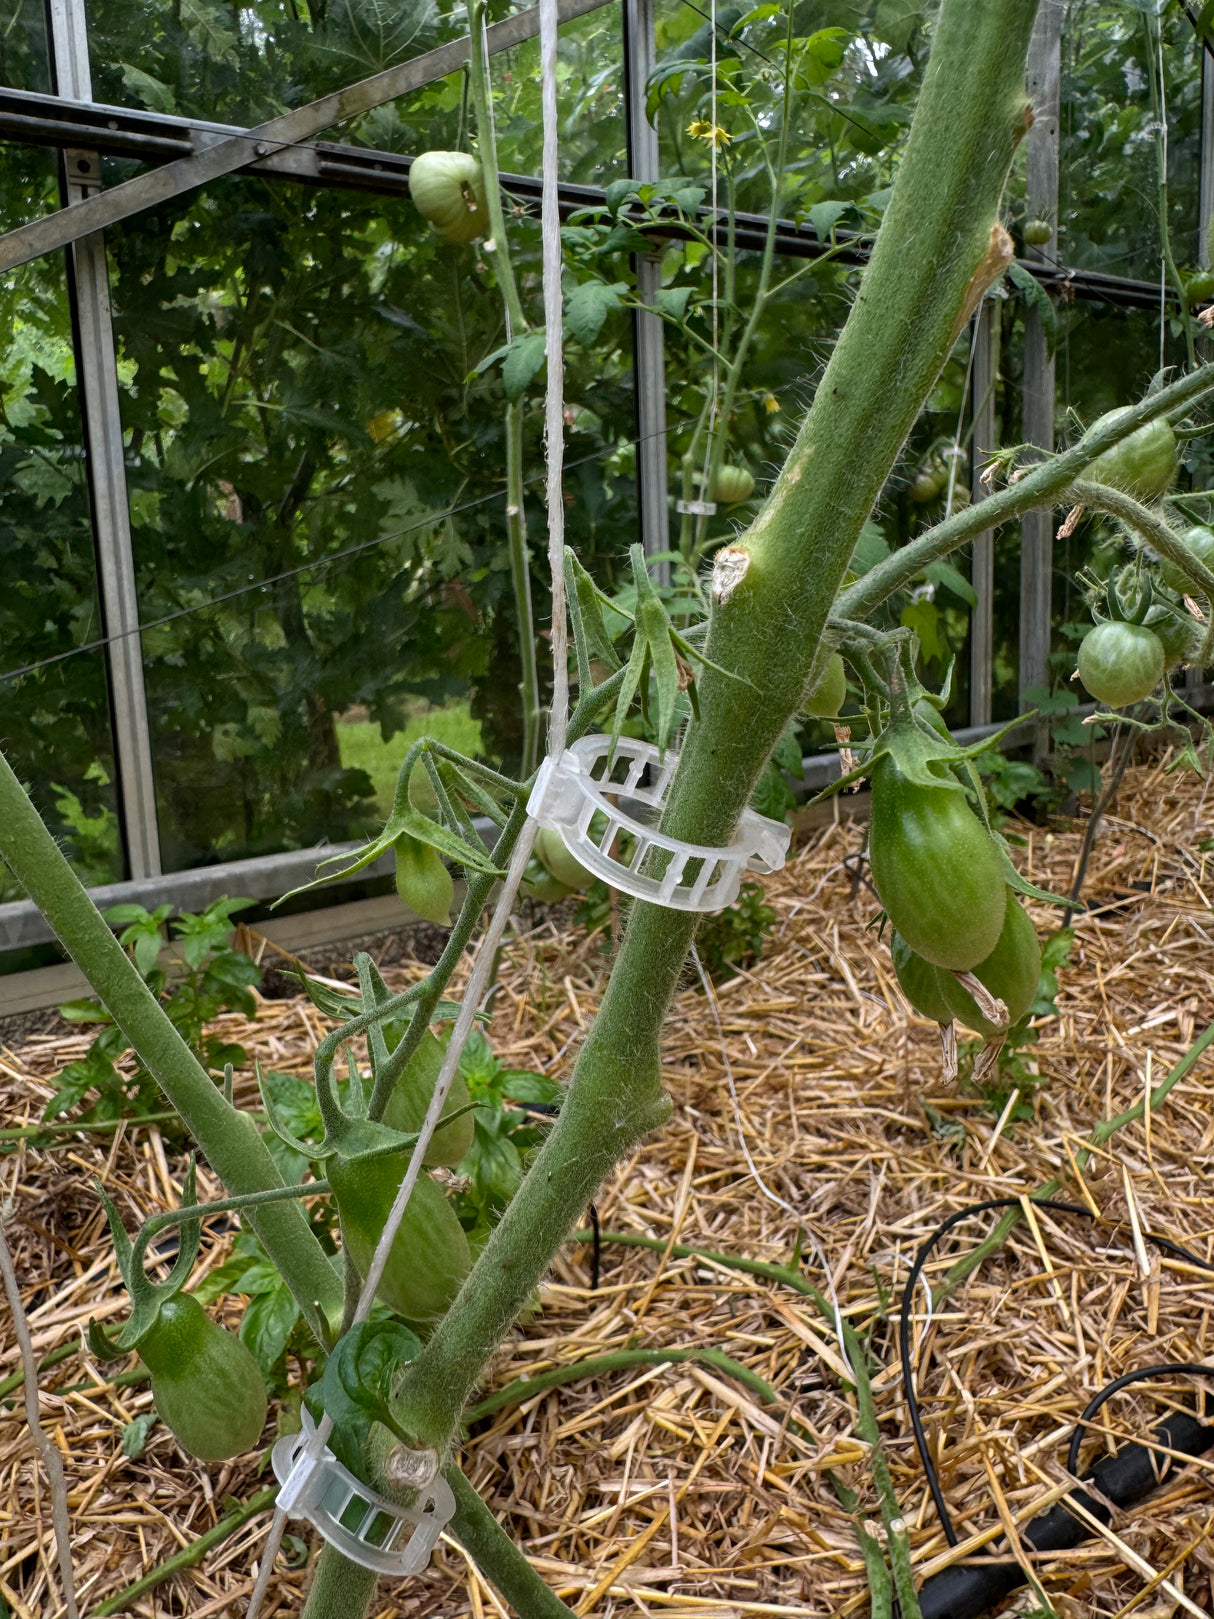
pixel 984 372
pixel 649 342
pixel 88 281
pixel 236 152
pixel 1037 528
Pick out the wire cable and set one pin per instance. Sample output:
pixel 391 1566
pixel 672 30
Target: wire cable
pixel 904 1340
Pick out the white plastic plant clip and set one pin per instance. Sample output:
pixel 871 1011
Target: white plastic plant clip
pixel 360 1523
pixel 590 803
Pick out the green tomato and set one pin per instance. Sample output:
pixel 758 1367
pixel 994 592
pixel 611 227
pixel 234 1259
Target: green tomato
pixel 539 884
pixel 1198 540
pixel 936 869
pixel 919 981
pixel 429 1257
pixel 411 1097
pixel 1037 232
pixel 555 857
pixel 1142 465
pixel 829 695
pixel 733 484
pixel 1176 632
pixel 422 880
pixel 1010 972
pixel 448 190
pixel 927 484
pixel 206 1385
pixel 1120 663
pixel 1199 288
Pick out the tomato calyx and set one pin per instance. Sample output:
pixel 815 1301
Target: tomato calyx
pixel 148 1298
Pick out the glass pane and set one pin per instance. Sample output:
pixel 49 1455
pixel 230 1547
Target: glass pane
pixel 317 501
pixel 52 676
pixel 1109 180
pixel 24 61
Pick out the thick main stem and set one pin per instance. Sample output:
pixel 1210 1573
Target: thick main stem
pixel 228 1137
pixel 931 261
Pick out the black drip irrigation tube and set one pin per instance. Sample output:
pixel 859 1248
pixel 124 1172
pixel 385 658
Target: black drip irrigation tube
pixel 965 1591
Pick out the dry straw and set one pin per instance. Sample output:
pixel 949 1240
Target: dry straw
pixel 674 1489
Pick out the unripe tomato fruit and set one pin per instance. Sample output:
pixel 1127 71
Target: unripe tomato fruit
pixel 1010 972
pixel 1037 232
pixel 936 869
pixel 927 484
pixel 1177 634
pixel 448 190
pixel 556 859
pixel 733 484
pixel 1199 288
pixel 1120 663
pixel 1198 540
pixel 206 1385
pixel 539 884
pixel 422 880
pixel 1142 465
pixel 830 694
pixel 919 981
pixel 410 1099
pixel 429 1257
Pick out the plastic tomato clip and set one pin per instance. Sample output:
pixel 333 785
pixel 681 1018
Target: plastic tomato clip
pixel 696 508
pixel 590 803
pixel 359 1522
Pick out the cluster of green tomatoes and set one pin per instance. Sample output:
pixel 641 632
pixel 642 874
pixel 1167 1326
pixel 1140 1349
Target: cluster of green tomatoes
pixel 1144 627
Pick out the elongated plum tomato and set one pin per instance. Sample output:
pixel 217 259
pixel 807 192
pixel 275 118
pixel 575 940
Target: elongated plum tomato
pixel 411 1097
pixel 732 485
pixel 1120 663
pixel 1142 465
pixel 429 1257
pixel 1010 972
pixel 919 981
pixel 448 190
pixel 936 869
pixel 422 880
pixel 829 695
pixel 556 859
pixel 1198 540
pixel 206 1385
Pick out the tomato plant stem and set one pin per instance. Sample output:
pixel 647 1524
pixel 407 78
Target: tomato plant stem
pixel 340 1589
pixel 493 1551
pixel 932 259
pixel 228 1137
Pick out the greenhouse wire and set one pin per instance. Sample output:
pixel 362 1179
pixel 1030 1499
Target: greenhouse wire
pixel 480 980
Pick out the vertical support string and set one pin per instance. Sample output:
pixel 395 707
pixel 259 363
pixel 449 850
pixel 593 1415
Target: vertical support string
pixel 482 968
pixel 554 398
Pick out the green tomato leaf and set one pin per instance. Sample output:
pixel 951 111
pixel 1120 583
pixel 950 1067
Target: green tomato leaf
pixel 522 359
pixel 267 1324
pixel 135 1434
pixel 944 573
pixel 824 216
pixel 588 305
pixel 673 301
pixel 1037 298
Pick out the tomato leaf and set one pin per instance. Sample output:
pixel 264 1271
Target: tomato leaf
pixel 588 306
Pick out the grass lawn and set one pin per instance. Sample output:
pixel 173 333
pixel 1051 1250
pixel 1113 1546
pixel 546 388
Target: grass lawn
pixel 362 748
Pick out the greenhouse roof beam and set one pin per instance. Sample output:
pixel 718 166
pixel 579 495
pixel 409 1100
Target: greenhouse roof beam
pixel 44 120
pixel 233 152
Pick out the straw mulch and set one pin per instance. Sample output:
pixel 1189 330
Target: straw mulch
pixel 670 1489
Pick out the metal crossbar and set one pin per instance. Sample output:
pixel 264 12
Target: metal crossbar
pixel 238 151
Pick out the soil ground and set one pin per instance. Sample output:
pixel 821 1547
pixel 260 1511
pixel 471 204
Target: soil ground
pixel 675 1489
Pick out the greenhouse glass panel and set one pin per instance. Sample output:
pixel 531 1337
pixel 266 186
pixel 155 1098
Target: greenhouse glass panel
pixel 24 59
pixel 317 500
pixel 1115 123
pixel 52 669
